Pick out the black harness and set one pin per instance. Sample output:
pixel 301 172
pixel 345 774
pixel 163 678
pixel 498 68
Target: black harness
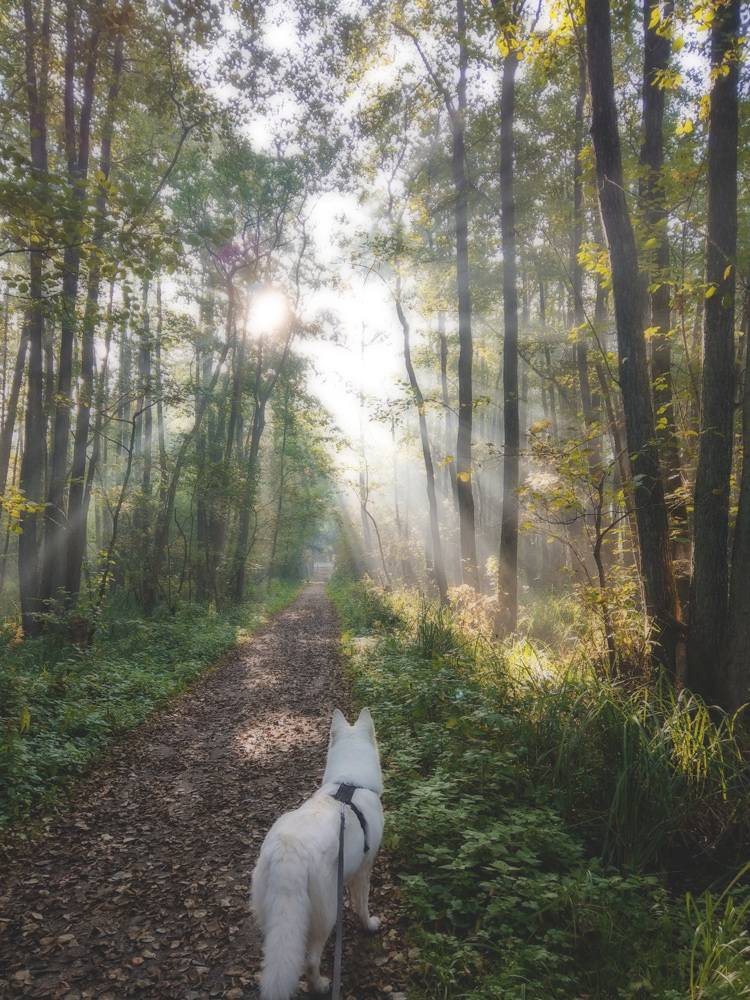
pixel 344 794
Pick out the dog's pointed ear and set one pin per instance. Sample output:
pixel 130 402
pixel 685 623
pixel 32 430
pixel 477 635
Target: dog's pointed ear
pixel 338 722
pixel 365 721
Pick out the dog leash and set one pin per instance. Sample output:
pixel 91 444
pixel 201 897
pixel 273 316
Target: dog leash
pixel 335 990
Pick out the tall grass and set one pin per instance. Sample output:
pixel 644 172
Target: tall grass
pixel 538 811
pixel 720 953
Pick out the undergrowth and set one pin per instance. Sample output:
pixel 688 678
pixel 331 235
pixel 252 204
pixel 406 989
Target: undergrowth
pixel 555 835
pixel 60 704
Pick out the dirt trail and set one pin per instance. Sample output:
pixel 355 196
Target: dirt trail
pixel 142 888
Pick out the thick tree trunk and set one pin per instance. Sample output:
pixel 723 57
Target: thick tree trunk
pixel 709 591
pixel 506 618
pixel 659 584
pixel 429 469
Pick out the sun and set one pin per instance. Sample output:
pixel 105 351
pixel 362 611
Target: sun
pixel 268 312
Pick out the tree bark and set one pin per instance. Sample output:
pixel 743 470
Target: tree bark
pixel 77 499
pixel 709 590
pixel 429 469
pixel 734 681
pixel 657 51
pixel 77 153
pixel 660 590
pixel 31 480
pixel 450 466
pixel 469 568
pixel 282 461
pixel 506 619
pixel 6 435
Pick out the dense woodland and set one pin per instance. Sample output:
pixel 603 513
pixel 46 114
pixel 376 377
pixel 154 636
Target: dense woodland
pixel 554 200
pixel 553 194
pixel 547 501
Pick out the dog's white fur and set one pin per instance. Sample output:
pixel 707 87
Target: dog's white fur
pixel 295 879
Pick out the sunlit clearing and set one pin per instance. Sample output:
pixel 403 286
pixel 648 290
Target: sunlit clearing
pixel 268 313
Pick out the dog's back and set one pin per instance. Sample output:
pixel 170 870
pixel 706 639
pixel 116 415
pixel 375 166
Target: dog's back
pixel 294 882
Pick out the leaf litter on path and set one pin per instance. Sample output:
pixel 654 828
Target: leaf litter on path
pixel 141 889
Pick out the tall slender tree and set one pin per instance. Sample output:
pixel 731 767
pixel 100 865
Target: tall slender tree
pixel 709 589
pixel 659 582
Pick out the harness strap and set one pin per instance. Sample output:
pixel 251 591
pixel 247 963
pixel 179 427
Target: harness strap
pixel 344 794
pixel 336 986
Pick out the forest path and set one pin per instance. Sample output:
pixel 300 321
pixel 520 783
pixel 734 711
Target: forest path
pixel 142 887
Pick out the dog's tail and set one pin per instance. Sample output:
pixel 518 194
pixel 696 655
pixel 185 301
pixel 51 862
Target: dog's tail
pixel 282 903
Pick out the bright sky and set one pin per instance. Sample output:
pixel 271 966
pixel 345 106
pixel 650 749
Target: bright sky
pixel 366 312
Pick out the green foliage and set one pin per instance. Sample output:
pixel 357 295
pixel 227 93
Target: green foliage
pixel 531 814
pixel 363 606
pixel 720 956
pixel 61 705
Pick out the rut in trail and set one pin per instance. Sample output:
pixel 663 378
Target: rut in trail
pixel 142 888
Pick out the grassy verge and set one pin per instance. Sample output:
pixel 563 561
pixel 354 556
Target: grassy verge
pixel 61 705
pixel 554 834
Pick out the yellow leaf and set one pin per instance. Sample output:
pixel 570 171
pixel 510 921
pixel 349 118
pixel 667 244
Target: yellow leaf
pixel 502 44
pixel 710 291
pixel 727 272
pixel 463 476
pixel 655 17
pixel 24 720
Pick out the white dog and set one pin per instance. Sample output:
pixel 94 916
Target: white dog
pixel 295 879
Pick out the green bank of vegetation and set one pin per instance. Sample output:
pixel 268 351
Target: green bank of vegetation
pixel 554 834
pixel 63 704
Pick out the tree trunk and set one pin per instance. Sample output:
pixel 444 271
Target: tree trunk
pixel 262 395
pixel 6 435
pixel 277 522
pixel 77 152
pixel 657 50
pixel 506 619
pixel 450 466
pixel 732 685
pixel 163 470
pixel 31 480
pixel 660 588
pixel 243 540
pixel 709 591
pixel 469 568
pixel 77 500
pixel 429 469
